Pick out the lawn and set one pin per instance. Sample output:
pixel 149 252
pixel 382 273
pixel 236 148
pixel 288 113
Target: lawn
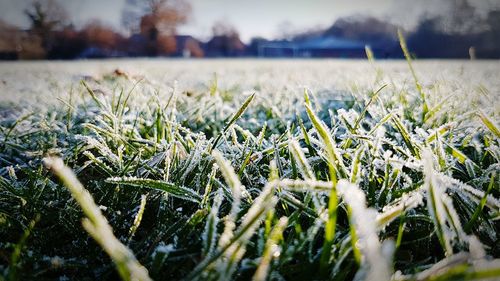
pixel 250 169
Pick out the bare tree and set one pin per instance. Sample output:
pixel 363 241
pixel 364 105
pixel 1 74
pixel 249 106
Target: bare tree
pixel 45 17
pixel 46 14
pixel 225 41
pixel 157 21
pixel 162 16
pixel 223 28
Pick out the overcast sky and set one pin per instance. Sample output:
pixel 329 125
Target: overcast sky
pixel 267 18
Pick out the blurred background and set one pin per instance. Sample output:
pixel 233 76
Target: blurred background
pixel 78 29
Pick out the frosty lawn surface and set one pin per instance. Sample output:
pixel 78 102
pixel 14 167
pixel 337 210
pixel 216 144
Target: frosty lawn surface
pixel 241 169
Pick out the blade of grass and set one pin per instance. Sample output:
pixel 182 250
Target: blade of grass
pixel 138 218
pixel 333 160
pixel 271 250
pixel 480 207
pixel 172 189
pixel 406 52
pixel 97 226
pixel 232 120
pixel 489 124
pixel 435 205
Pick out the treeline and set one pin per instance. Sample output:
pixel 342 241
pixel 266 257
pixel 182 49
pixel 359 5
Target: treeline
pixel 152 25
pixel 153 32
pixel 461 32
pixel 51 35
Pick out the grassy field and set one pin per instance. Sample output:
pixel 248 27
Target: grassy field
pixel 249 169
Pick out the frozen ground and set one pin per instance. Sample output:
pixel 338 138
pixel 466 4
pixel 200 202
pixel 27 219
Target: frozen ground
pixel 35 81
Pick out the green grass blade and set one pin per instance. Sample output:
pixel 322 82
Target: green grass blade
pixel 407 55
pixel 435 205
pixel 300 158
pixel 171 188
pixel 97 226
pixel 480 207
pixel 138 217
pixel 233 119
pixel 333 159
pixel 412 146
pixel 271 250
pixel 489 124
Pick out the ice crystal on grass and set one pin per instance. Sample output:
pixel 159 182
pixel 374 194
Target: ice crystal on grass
pixel 375 266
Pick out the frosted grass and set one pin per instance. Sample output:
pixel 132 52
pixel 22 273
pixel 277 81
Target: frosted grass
pixel 238 175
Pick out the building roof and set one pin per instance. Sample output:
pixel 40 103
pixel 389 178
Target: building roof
pixel 316 43
pixel 330 43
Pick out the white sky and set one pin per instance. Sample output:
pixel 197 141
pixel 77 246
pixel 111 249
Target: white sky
pixel 266 18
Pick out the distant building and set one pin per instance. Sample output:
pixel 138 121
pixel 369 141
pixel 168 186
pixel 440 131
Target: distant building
pixel 317 47
pixel 94 52
pixel 7 51
pixel 225 46
pixel 9 42
pixel 136 45
pixel 19 44
pixel 187 46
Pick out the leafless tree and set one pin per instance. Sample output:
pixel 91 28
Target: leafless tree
pixel 223 28
pixel 45 17
pixel 157 21
pixel 160 16
pixel 225 41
